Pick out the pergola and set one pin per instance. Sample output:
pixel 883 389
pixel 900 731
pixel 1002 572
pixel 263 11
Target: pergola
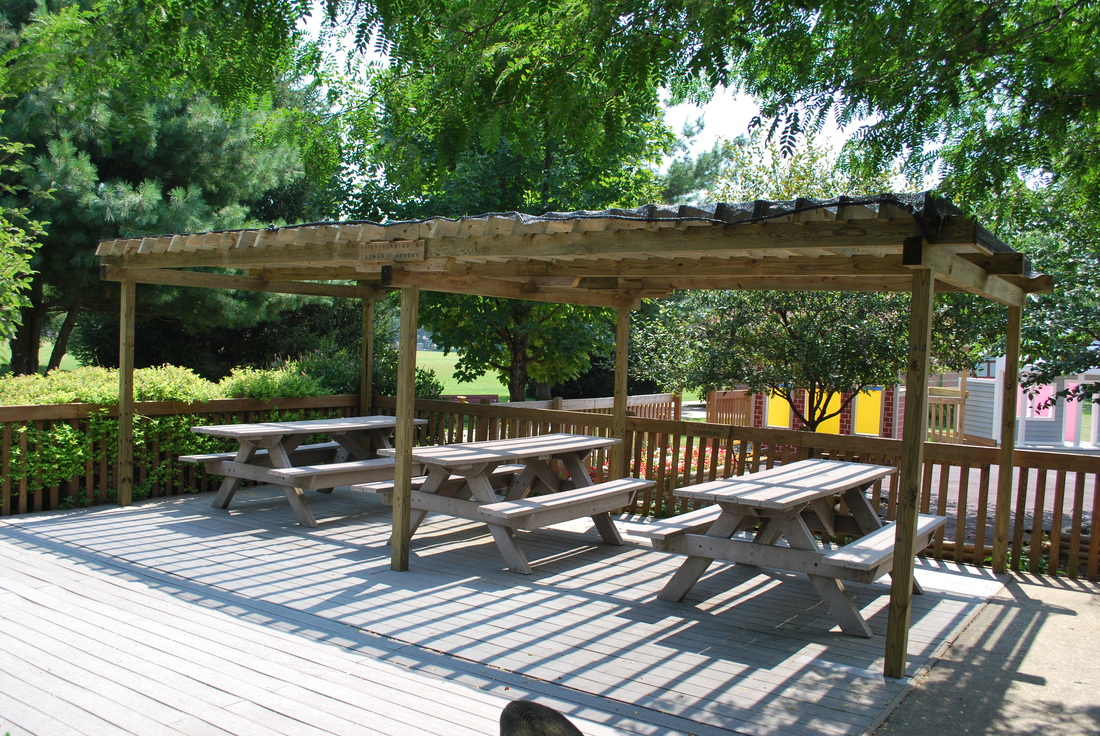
pixel 913 243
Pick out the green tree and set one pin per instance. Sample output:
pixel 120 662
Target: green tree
pixel 189 168
pixel 520 341
pixel 817 344
pixel 17 241
pixel 984 90
pixel 1061 330
pixel 132 146
pixel 232 49
pixel 503 106
pixel 423 150
pixel 798 344
pixel 755 166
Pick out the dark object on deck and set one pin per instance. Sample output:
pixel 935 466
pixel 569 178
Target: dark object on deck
pixel 523 718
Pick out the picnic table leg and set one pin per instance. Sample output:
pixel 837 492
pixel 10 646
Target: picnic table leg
pixel 437 476
pixel 353 446
pixel 578 471
pixel 607 529
pixel 522 482
pixel 229 485
pixel 296 497
pixel 831 590
pixel 691 569
pixel 482 490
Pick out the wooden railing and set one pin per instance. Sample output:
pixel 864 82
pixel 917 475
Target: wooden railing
pixel 74 450
pixel 945 414
pixel 730 407
pixel 651 406
pixel 1051 516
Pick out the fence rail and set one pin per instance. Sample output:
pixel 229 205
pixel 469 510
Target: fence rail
pixel 652 406
pixel 1051 516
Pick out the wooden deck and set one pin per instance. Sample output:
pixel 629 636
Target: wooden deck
pixel 173 617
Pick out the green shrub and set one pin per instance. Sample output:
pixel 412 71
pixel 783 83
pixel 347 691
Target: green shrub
pixel 92 385
pixel 89 385
pixel 335 369
pixel 172 383
pixel 428 386
pixel 285 381
pixel 57 452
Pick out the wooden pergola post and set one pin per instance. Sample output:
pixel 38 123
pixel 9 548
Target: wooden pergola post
pixel 619 455
pixel 404 435
pixel 1010 378
pixel 912 460
pixel 366 358
pixel 124 475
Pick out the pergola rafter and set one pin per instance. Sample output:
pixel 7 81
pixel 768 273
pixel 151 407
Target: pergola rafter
pixel 615 258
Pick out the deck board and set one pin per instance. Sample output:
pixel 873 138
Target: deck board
pixel 173 617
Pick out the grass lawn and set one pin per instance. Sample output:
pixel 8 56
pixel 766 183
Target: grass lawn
pixel 444 366
pixel 67 363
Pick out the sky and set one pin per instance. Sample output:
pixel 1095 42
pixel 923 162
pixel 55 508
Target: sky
pixel 726 116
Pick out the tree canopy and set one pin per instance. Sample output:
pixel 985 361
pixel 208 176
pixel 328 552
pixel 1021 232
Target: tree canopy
pixel 453 130
pixel 17 241
pixel 132 146
pixel 534 105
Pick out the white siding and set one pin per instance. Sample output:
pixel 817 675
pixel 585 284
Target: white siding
pixel 980 400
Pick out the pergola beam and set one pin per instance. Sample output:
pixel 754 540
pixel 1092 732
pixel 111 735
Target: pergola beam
pixel 507 289
pixel 955 270
pixel 768 236
pixel 206 280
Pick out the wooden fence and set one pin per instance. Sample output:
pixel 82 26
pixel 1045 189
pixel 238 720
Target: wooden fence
pixel 730 407
pixel 651 406
pixel 1054 494
pixel 946 418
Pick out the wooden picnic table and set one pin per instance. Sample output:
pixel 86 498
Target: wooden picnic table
pixel 517 467
pixel 272 452
pixel 783 504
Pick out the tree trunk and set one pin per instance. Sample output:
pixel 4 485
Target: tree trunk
pixel 517 372
pixel 542 391
pixel 61 345
pixel 28 337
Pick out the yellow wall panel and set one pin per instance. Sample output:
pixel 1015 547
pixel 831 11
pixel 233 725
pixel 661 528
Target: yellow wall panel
pixel 831 426
pixel 868 412
pixel 779 412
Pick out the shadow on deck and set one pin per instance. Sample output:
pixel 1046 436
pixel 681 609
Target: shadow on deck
pixel 245 622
